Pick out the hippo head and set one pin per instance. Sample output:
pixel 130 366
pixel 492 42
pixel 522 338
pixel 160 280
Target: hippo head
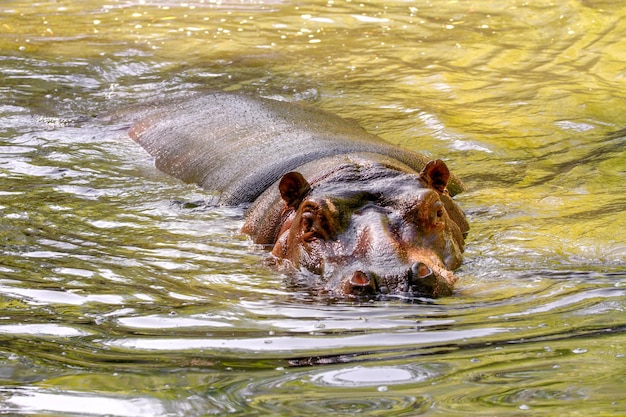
pixel 370 229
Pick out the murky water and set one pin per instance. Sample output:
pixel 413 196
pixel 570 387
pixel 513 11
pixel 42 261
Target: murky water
pixel 121 295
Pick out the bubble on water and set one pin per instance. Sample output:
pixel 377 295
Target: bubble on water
pixel 579 350
pixel 382 388
pixel 524 407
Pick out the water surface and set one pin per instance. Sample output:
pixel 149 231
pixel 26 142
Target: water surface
pixel 123 294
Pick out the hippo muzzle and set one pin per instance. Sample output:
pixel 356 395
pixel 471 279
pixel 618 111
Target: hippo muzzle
pixel 418 280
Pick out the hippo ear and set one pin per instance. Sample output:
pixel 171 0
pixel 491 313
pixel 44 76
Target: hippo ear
pixel 293 187
pixel 436 175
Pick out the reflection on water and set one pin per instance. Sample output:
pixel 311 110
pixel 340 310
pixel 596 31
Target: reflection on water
pixel 123 293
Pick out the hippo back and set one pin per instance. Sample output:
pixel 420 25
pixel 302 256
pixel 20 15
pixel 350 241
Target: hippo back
pixel 239 145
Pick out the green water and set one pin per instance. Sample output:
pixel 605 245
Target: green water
pixel 119 298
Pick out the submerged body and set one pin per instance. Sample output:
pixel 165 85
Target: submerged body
pixel 362 215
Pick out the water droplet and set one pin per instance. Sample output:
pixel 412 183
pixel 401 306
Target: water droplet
pixel 579 350
pixel 524 407
pixel 382 388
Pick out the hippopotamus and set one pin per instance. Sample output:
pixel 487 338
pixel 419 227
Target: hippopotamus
pixel 348 212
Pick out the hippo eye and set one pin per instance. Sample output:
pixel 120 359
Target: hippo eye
pixel 308 226
pixel 439 209
pixel 308 219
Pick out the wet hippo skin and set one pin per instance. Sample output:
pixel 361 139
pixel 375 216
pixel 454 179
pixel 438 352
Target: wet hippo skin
pixel 355 215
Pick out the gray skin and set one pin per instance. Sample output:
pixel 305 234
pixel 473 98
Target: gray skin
pixel 355 214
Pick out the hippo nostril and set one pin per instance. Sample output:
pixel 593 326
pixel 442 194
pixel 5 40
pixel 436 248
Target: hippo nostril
pixel 359 284
pixel 360 278
pixel 421 270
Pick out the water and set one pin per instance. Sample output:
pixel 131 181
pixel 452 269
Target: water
pixel 122 294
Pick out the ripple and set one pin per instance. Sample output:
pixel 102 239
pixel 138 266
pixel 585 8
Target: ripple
pixel 33 401
pixel 373 376
pixel 46 329
pixel 356 404
pixel 60 297
pixel 298 391
pixel 532 397
pixel 161 322
pixel 17 167
pixel 569 300
pixel 302 345
pixel 575 126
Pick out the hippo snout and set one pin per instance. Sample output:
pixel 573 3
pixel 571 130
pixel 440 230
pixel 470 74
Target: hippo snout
pixel 418 280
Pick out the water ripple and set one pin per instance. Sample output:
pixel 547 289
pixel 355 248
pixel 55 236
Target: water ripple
pixel 379 376
pixel 301 345
pixel 39 401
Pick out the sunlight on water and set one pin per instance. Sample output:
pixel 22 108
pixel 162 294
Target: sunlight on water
pixel 123 292
pixel 78 403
